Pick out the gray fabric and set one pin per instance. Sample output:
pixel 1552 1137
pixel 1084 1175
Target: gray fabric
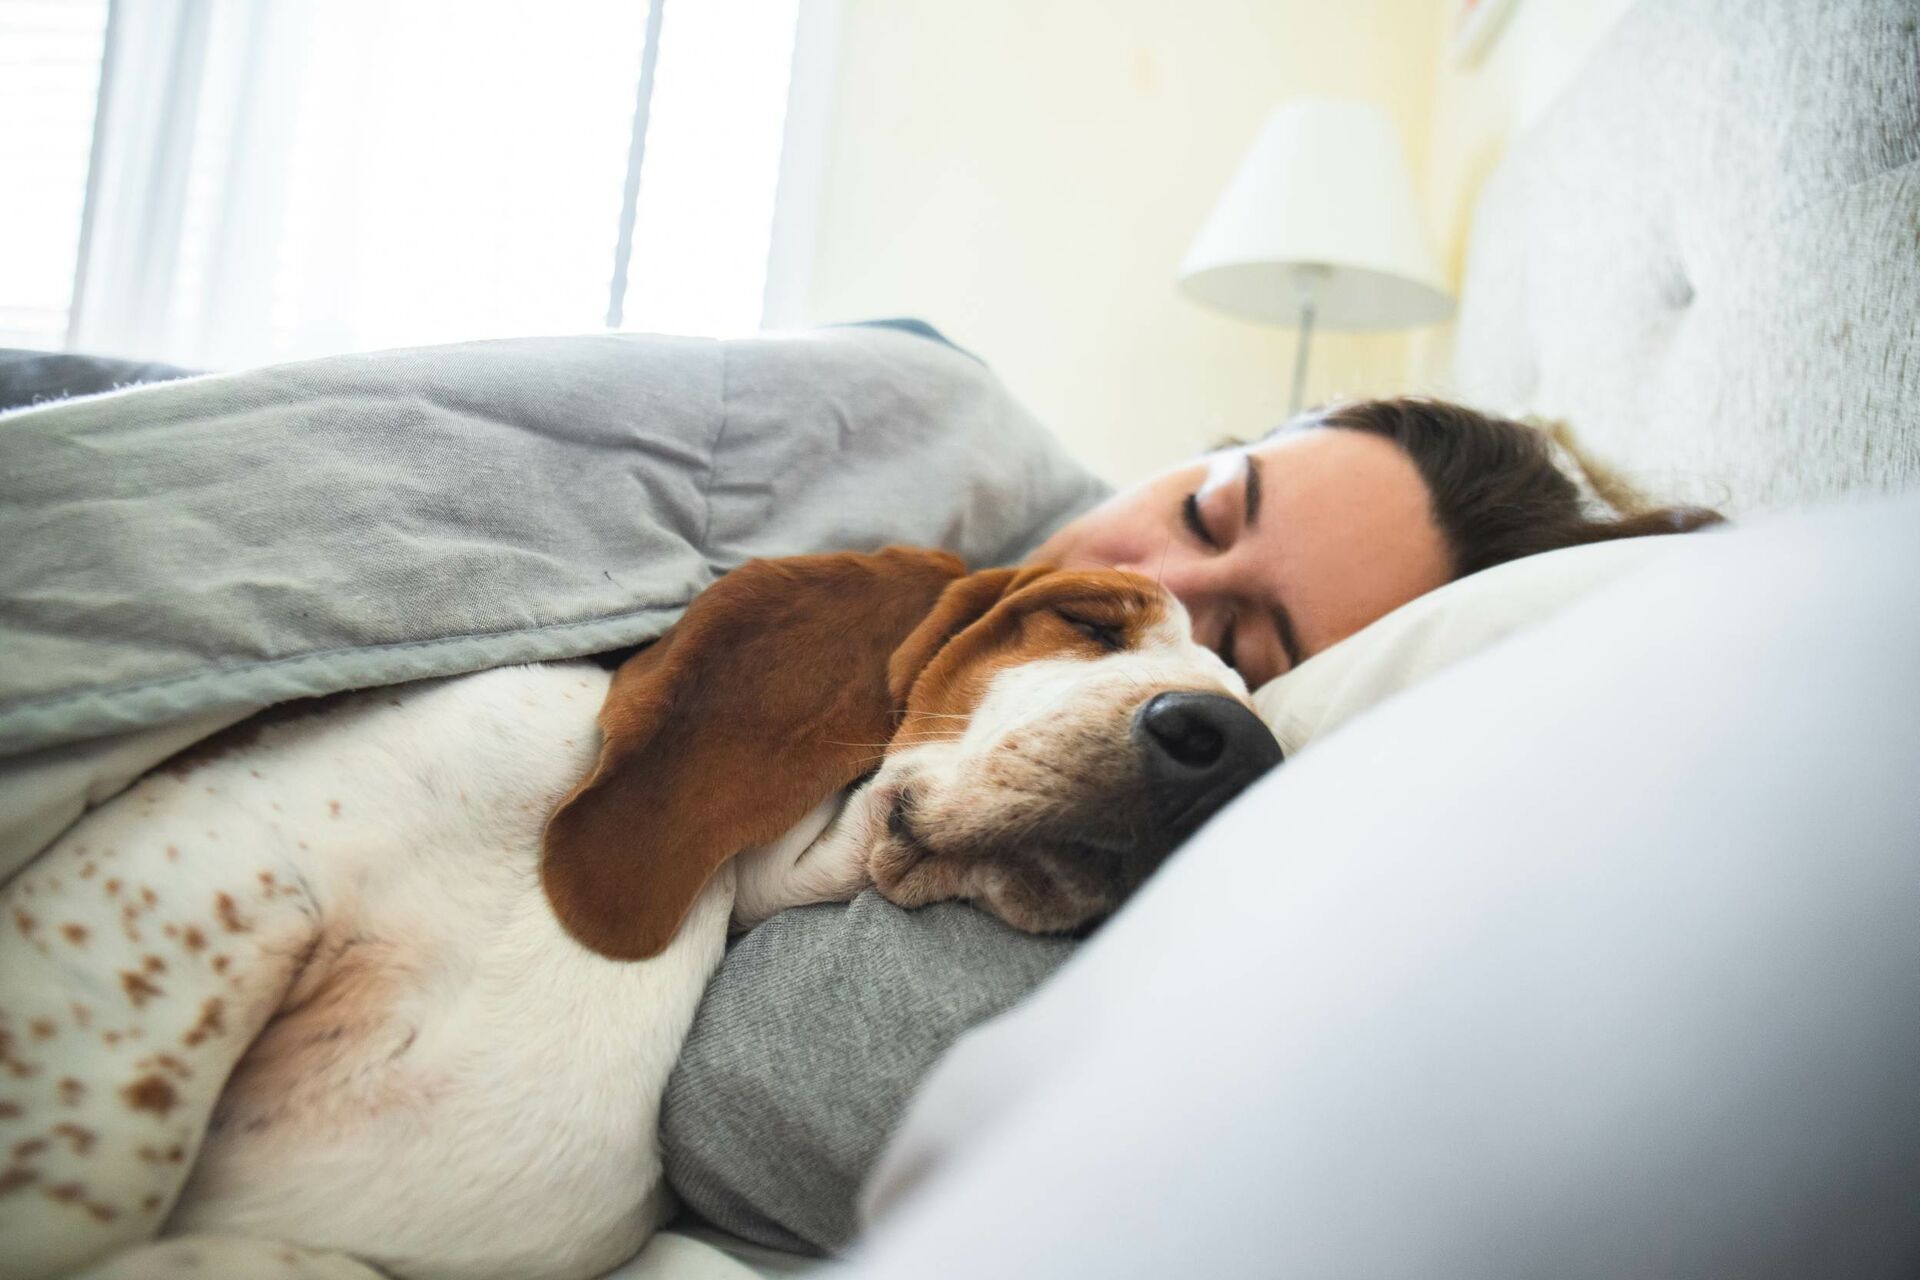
pixel 804 1055
pixel 30 378
pixel 1706 255
pixel 236 540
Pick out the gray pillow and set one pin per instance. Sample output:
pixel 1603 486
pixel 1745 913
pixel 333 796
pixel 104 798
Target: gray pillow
pixel 809 1044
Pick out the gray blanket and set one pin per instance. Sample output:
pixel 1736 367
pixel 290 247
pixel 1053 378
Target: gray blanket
pixel 180 555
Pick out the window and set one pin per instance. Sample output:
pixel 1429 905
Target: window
pixel 49 78
pixel 275 181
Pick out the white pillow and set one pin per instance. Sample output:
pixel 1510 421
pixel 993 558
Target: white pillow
pixel 1594 957
pixel 1438 630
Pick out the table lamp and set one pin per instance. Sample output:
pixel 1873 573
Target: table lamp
pixel 1319 227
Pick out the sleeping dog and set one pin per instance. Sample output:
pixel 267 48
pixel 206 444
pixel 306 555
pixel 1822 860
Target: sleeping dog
pixel 397 983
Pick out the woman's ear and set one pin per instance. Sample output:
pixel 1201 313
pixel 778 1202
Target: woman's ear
pixel 771 693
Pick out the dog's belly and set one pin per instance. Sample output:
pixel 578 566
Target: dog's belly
pixel 452 1086
pixel 492 1115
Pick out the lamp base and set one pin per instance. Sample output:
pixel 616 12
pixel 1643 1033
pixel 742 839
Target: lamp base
pixel 1300 356
pixel 1307 280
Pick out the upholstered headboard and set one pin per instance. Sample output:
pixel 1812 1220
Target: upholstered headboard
pixel 1706 255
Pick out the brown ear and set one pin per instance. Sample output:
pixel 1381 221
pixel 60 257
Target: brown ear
pixel 771 693
pixel 959 607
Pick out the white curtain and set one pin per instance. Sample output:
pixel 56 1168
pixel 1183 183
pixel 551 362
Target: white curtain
pixel 276 179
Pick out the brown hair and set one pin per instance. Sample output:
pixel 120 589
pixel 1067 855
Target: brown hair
pixel 1497 492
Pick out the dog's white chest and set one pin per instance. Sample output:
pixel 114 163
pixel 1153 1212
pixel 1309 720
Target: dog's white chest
pixel 454 1086
pixel 497 1114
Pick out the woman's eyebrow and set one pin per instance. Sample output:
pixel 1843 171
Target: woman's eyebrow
pixel 1253 489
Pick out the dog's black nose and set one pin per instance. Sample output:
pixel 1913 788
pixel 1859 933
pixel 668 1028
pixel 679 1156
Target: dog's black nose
pixel 1199 750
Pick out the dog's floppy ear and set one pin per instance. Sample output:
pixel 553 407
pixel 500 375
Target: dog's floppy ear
pixel 772 692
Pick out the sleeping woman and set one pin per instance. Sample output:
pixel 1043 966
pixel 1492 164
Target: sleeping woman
pixel 1278 549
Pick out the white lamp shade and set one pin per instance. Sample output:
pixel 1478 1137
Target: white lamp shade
pixel 1322 201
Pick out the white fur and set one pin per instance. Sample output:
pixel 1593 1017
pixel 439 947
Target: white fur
pixel 450 1086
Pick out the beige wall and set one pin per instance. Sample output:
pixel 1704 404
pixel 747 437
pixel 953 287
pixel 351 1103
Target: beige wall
pixel 1026 174
pixel 1476 111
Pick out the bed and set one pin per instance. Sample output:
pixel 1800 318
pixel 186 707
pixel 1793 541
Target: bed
pixel 1616 975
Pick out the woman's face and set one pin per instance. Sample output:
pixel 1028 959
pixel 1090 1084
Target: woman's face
pixel 1277 550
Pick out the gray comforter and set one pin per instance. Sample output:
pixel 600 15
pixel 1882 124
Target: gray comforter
pixel 177 556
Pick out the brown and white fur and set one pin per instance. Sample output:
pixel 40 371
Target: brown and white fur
pixel 388 983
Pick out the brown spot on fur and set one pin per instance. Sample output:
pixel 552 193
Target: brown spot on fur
pixel 150 1204
pixel 151 1093
pixel 212 1022
pixel 41 1028
pixel 15 1178
pixel 193 938
pixel 149 897
pixel 268 884
pixel 220 964
pixel 67 1192
pixel 173 853
pixel 18 1068
pixel 168 1062
pixel 28 1148
pixel 102 1212
pixel 9 1110
pixel 112 885
pixel 72 1092
pixel 110 1037
pixel 229 914
pixel 74 933
pixel 153 964
pixel 138 989
pixel 86 870
pixel 82 1016
pixel 23 921
pixel 333 807
pixel 81 1140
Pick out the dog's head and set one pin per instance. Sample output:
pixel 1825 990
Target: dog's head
pixel 1033 739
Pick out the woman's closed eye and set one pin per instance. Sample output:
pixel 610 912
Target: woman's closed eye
pixel 1226 503
pixel 1196 524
